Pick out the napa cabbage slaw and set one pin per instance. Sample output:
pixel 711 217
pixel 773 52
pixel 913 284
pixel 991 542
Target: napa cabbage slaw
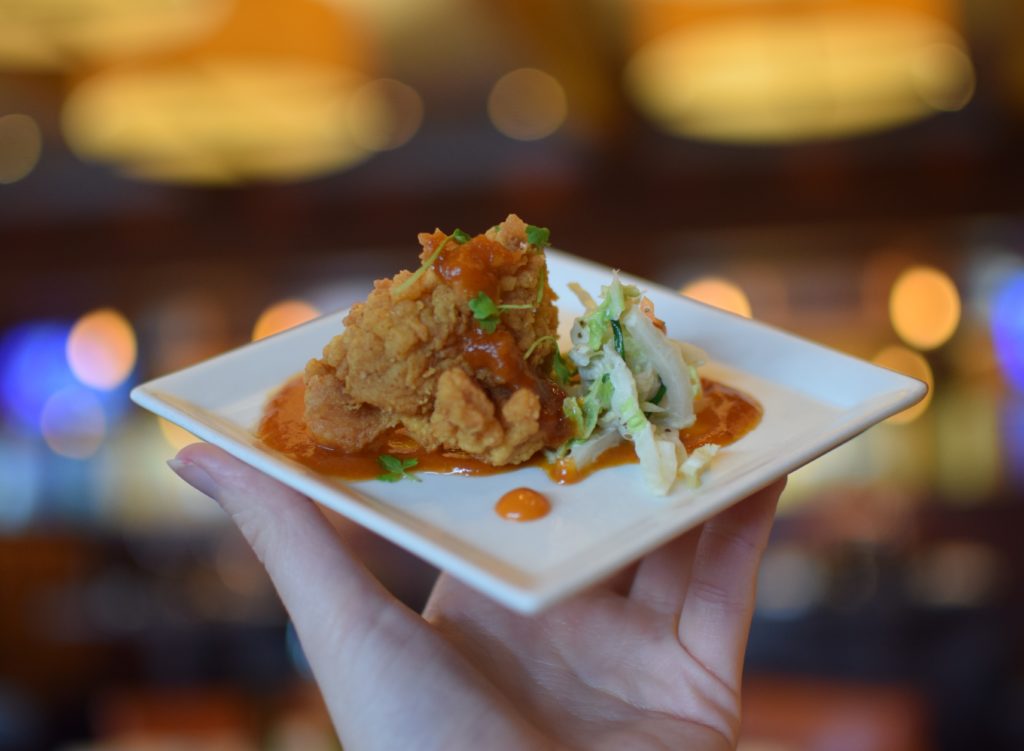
pixel 636 384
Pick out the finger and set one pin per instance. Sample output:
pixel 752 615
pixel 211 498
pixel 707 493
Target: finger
pixel 620 582
pixel 333 601
pixel 663 576
pixel 719 603
pixel 383 673
pixel 407 577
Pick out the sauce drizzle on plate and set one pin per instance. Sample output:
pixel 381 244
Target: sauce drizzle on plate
pixel 724 415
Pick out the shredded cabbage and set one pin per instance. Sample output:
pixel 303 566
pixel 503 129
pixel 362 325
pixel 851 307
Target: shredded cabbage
pixel 635 384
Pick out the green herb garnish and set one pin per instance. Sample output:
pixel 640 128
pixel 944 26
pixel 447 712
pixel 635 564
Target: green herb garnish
pixel 461 237
pixel 395 468
pixel 423 268
pixel 620 346
pixel 537 236
pixel 536 342
pixel 487 313
pixel 660 393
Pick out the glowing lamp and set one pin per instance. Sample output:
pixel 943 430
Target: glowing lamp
pixel 58 34
pixel 776 71
pixel 272 95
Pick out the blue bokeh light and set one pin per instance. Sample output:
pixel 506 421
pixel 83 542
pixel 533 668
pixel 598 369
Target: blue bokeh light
pixel 33 366
pixel 1007 321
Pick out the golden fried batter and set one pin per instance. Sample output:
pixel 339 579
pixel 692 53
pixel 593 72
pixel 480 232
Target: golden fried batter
pixel 414 354
pixel 334 417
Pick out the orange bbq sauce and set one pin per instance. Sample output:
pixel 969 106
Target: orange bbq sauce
pixel 523 505
pixel 724 415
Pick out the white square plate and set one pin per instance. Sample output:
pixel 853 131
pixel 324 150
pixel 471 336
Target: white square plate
pixel 813 398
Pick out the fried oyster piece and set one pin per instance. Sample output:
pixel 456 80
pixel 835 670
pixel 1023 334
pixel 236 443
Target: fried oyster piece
pixel 456 352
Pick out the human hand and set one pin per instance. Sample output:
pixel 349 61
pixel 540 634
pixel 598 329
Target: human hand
pixel 649 660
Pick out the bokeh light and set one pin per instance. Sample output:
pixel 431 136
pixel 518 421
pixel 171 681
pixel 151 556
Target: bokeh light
pixel 175 435
pixel 21 143
pixel 924 306
pixel 956 574
pixel 908 362
pixel 57 34
pixel 33 367
pixel 720 293
pixel 22 470
pixel 218 123
pixel 1007 322
pixel 73 423
pixel 968 460
pixel 264 97
pixel 527 104
pixel 943 77
pixel 101 349
pixel 281 316
pixel 385 114
pixel 820 70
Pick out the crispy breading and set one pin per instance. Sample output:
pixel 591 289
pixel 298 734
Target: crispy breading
pixel 464 416
pixel 337 419
pixel 414 354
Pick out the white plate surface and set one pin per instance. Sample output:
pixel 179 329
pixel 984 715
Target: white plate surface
pixel 814 399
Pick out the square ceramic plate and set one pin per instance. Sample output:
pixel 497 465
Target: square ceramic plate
pixel 813 398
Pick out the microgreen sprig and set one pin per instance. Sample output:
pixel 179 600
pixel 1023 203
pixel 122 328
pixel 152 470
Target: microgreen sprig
pixel 458 235
pixel 488 313
pixel 395 469
pixel 537 236
pixel 537 342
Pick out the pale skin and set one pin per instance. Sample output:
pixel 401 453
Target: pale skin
pixel 651 659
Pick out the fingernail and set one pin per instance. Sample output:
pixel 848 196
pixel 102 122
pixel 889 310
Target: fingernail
pixel 194 475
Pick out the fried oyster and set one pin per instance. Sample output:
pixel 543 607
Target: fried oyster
pixel 457 353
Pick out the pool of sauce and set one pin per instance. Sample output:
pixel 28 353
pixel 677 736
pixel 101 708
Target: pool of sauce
pixel 724 415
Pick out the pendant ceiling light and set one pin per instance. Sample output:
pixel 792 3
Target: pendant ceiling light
pixel 43 35
pixel 777 71
pixel 277 92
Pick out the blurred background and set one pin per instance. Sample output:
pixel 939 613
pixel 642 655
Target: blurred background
pixel 178 177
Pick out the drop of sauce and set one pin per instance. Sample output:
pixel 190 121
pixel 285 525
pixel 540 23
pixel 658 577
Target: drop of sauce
pixel 522 505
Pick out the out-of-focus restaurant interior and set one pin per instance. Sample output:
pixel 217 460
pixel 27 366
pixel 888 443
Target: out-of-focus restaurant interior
pixel 179 177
